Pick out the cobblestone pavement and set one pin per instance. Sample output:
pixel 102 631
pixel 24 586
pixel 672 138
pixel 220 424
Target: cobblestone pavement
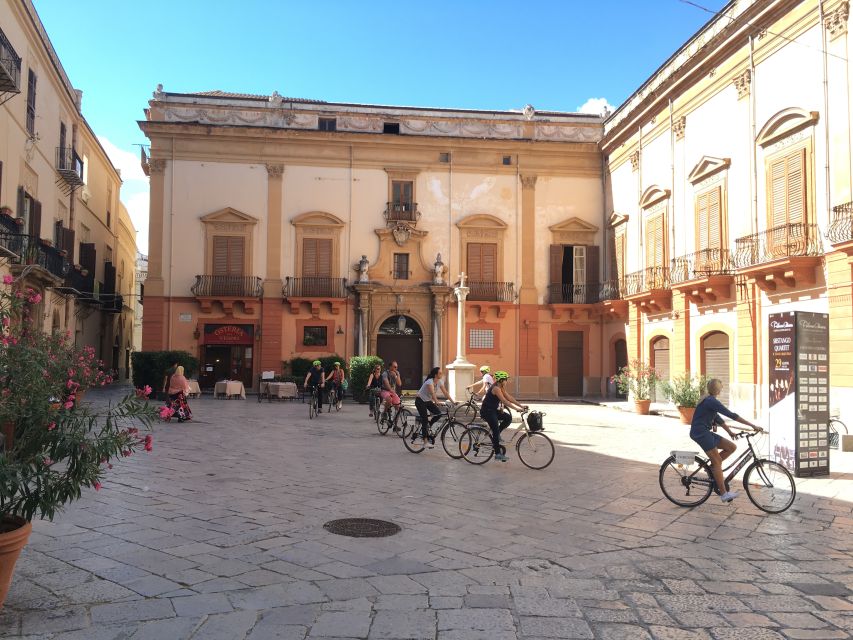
pixel 218 534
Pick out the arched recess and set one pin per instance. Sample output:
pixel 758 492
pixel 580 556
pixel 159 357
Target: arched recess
pixel 784 123
pixel 403 342
pixel 318 245
pixel 481 247
pixel 715 359
pixel 618 353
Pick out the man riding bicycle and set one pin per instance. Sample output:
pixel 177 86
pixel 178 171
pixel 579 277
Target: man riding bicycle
pixel 390 383
pixel 714 445
pixel 315 379
pixel 336 376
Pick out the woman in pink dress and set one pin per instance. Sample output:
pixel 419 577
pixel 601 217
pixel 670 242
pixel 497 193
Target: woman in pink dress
pixel 179 388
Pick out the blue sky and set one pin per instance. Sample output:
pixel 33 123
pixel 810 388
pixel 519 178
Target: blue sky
pixel 553 54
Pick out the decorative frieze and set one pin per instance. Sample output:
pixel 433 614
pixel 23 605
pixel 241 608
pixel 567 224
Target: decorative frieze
pixel 156 165
pixel 275 171
pixel 836 20
pixel 678 127
pixel 742 83
pixel 635 160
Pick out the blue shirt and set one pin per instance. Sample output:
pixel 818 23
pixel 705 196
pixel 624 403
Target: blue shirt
pixel 706 414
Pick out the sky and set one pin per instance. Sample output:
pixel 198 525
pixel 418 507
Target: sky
pixel 562 55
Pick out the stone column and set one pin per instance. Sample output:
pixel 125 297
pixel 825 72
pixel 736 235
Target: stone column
pixel 362 318
pixel 154 320
pixel 460 371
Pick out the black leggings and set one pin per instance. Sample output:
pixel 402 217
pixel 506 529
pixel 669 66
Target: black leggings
pixel 498 421
pixel 425 407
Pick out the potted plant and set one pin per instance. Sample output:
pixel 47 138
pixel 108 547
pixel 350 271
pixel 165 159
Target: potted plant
pixel 684 392
pixel 638 380
pixel 20 222
pixel 6 211
pixel 52 448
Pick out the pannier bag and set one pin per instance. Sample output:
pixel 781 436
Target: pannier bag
pixel 534 421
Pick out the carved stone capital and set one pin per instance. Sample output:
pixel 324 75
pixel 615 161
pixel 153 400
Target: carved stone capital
pixel 742 83
pixel 528 182
pixel 635 160
pixel 157 166
pixel 678 127
pixel 836 21
pixel 275 170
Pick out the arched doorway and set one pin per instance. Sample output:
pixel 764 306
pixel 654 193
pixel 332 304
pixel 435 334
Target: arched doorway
pixel 400 338
pixel 620 357
pixel 660 362
pixel 715 360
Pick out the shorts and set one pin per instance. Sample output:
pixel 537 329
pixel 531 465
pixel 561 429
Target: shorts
pixel 706 439
pixel 390 396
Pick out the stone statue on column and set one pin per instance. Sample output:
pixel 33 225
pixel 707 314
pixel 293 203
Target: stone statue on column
pixel 438 270
pixel 460 371
pixel 363 265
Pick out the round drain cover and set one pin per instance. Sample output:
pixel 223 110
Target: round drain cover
pixel 362 528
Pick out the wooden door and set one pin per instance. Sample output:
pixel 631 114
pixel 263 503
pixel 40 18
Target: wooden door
pixel 570 364
pixel 408 352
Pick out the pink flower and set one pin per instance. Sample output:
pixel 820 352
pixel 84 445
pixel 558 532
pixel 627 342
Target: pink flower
pixel 47 462
pixel 35 298
pixel 51 426
pixel 97 486
pixel 69 404
pixel 7 279
pixel 7 321
pixel 166 412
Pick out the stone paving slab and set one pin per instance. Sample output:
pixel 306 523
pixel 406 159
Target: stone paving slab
pixel 218 534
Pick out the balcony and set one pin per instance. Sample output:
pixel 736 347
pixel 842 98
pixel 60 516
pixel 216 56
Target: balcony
pixel 784 256
pixel 10 70
pixel 574 293
pixel 402 212
pixel 491 291
pixel 29 254
pixel 840 232
pixel 80 283
pixel 112 303
pixel 314 290
pixel 649 288
pixel 704 276
pixel 610 295
pixel 227 290
pixel 70 167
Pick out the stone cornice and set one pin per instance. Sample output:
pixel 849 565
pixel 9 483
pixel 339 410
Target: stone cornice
pixel 835 21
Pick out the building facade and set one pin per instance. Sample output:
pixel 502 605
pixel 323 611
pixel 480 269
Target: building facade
pixel 62 228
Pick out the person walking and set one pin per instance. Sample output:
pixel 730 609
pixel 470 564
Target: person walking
pixel 179 388
pixel 426 402
pixel 495 417
pixel 374 385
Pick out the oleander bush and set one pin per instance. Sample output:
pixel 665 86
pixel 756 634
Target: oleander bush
pixel 359 371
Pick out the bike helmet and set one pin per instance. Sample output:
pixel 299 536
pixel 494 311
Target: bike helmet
pixel 337 364
pixel 485 368
pixel 501 375
pixel 316 363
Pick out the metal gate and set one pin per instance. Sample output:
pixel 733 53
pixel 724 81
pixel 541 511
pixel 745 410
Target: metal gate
pixel 715 359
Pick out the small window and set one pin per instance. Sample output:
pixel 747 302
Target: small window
pixel 401 266
pixel 391 127
pixel 444 157
pixel 507 160
pixel 31 102
pixel 481 339
pixel 314 336
pixel 109 218
pixel 327 124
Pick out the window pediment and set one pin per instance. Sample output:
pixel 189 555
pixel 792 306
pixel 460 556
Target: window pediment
pixel 317 219
pixel 706 167
pixel 573 231
pixel 229 215
pixel 616 219
pixel 653 195
pixel 785 123
pixel 481 220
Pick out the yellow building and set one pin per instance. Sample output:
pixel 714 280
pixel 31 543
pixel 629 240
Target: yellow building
pixel 61 220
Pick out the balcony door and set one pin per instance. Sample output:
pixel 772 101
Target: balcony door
pixel 574 274
pixel 787 204
pixel 708 231
pixel 317 266
pixel 229 255
pixel 482 269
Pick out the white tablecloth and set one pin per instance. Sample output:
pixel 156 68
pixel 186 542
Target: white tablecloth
pixel 282 389
pixel 229 389
pixel 195 390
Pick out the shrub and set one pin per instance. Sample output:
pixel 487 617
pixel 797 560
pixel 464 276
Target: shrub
pixel 149 367
pixel 685 390
pixel 360 368
pixel 299 366
pixel 638 379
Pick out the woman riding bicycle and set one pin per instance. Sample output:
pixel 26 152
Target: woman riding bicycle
pixel 336 376
pixel 714 445
pixel 484 383
pixel 491 412
pixel 374 385
pixel 426 402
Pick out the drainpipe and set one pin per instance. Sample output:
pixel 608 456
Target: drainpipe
pixel 602 353
pixel 825 65
pixel 348 258
pixel 517 268
pixel 71 215
pixel 171 244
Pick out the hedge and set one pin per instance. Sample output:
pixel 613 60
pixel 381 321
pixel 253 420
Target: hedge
pixel 360 368
pixel 149 367
pixel 299 366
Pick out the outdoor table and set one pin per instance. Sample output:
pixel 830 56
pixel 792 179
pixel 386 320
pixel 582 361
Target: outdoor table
pixel 195 390
pixel 229 388
pixel 281 389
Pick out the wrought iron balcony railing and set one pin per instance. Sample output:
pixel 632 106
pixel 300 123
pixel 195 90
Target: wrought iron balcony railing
pixel 574 293
pixel 80 285
pixel 491 291
pixel 25 250
pixel 648 279
pixel 785 241
pixel 315 287
pixel 402 212
pixel 702 264
pixel 112 303
pixel 227 286
pixel 70 166
pixel 10 68
pixel 841 227
pixel 611 290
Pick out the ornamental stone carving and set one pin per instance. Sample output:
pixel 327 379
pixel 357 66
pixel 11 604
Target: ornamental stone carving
pixel 836 21
pixel 678 127
pixel 635 160
pixel 528 182
pixel 275 170
pixel 742 83
pixel 157 166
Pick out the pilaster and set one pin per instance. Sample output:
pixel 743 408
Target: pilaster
pixel 840 286
pixel 748 330
pixel 154 281
pixel 527 292
pixel 272 280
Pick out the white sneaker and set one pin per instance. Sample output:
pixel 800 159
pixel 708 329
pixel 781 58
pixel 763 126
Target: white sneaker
pixel 728 496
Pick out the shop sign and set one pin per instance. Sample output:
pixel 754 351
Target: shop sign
pixel 229 334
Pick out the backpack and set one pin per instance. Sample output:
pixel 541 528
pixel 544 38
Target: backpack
pixel 534 421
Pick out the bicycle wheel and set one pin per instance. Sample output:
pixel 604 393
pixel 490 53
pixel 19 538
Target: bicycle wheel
pixel 383 421
pixel 451 433
pixel 312 407
pixel 535 450
pixel 403 422
pixel 839 426
pixel 412 436
pixel 331 398
pixel 686 486
pixel 769 486
pixel 475 445
pixel 466 413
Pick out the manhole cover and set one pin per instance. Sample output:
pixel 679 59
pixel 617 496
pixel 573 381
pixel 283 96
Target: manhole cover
pixel 362 528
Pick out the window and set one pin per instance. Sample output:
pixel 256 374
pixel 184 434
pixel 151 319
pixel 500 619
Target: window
pixel 708 220
pixel 228 255
pixel 391 127
pixel 401 193
pixel 62 135
pixel 327 124
pixel 401 266
pixel 444 157
pixel 30 210
pixel 507 160
pixel 31 103
pixel 655 254
pixel 314 336
pixel 481 339
pixel 787 189
pixel 482 261
pixel 317 257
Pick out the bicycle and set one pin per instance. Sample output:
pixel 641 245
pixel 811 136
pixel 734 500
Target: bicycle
pixel 835 425
pixel 534 448
pixel 334 398
pixel 445 428
pixel 314 404
pixel 375 405
pixel 386 421
pixel 768 484
pixel 468 411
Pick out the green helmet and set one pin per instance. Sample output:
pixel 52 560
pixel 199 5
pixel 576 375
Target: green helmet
pixel 485 368
pixel 337 364
pixel 501 375
pixel 316 363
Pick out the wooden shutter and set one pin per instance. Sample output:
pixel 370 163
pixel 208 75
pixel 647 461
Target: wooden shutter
pixel 796 187
pixel 236 255
pixel 309 257
pixel 35 219
pixel 316 257
pixel 702 221
pixel 620 256
pixel 475 262
pixel 68 243
pixel 658 256
pixel 220 255
pixel 778 208
pixel 591 274
pixel 556 264
pixel 21 197
pixel 88 257
pixel 324 258
pixel 489 252
pixel 714 219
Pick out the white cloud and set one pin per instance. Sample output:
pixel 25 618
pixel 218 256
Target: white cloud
pixel 134 188
pixel 125 161
pixel 137 207
pixel 596 106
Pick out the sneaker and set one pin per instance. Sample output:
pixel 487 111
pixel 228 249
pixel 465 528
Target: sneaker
pixel 501 457
pixel 370 414
pixel 728 496
pixel 340 404
pixel 430 443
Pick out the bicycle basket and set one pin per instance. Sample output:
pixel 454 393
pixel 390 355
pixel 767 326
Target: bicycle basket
pixel 833 439
pixel 534 421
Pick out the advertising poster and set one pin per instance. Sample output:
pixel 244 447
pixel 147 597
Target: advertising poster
pixel 782 402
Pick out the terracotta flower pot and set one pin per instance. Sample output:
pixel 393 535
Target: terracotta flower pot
pixel 642 407
pixel 14 533
pixel 686 414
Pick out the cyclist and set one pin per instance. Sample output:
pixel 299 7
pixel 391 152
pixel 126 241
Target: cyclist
pixel 491 412
pixel 426 402
pixel 374 384
pixel 337 377
pixel 714 445
pixel 315 380
pixel 484 383
pixel 390 383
